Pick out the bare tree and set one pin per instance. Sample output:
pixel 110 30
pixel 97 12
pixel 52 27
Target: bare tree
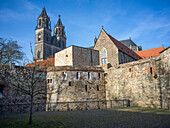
pixel 10 52
pixel 30 81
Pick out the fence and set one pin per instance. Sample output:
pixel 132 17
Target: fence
pixel 64 106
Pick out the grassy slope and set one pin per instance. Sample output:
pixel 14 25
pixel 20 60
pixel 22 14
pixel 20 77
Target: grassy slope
pixel 125 117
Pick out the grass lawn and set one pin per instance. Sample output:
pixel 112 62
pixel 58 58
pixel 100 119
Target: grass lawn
pixel 110 118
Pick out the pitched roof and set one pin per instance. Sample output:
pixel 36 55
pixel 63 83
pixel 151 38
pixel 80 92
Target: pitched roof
pixel 47 63
pixel 124 49
pixel 150 52
pixel 43 13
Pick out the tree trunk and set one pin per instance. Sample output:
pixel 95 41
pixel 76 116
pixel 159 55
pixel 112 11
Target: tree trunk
pixel 31 106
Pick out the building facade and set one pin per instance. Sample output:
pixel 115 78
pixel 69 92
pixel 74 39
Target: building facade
pixel 109 71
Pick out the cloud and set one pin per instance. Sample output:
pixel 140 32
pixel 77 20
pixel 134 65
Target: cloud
pixel 149 24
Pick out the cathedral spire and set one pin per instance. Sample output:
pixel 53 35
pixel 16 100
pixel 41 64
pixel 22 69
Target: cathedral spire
pixel 59 23
pixel 43 13
pixel 43 20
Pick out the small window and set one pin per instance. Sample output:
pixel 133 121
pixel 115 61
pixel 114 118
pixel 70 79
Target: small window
pixel 102 40
pixel 39 37
pixel 64 75
pixel 77 75
pixel 69 83
pixel 2 91
pixel 86 88
pixel 130 69
pixel 49 81
pixel 66 55
pixel 97 87
pixel 99 76
pixel 151 70
pixel 88 75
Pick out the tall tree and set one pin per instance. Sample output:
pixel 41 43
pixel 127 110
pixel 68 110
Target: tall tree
pixel 30 81
pixel 10 52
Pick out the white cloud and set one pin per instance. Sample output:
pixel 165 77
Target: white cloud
pixel 148 24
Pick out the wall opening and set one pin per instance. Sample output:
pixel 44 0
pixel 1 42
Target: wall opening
pixel 69 83
pixel 99 76
pixel 88 75
pixel 2 91
pixel 64 75
pixel 97 87
pixel 86 88
pixel 77 75
pixel 151 70
pixel 49 81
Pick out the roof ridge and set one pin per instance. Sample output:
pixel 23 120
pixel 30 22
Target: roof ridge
pixel 136 56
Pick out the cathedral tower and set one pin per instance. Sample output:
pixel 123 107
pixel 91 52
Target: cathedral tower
pixel 43 36
pixel 59 34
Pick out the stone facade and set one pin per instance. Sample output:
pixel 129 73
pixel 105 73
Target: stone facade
pixel 104 41
pixel 143 82
pixel 72 84
pixel 75 55
pixel 112 51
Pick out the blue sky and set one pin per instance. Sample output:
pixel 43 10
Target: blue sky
pixel 147 22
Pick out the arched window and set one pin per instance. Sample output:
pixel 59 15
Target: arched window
pixel 104 56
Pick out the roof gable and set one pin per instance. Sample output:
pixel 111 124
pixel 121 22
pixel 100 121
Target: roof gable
pixel 123 48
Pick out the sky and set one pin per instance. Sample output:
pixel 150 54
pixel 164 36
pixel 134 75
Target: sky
pixel 146 22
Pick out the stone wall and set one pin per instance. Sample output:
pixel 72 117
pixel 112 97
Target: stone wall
pixel 64 57
pixel 78 83
pixel 85 56
pixel 75 55
pixel 141 81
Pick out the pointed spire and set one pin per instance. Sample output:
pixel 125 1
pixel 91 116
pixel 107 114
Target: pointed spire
pixel 95 40
pixel 43 13
pixel 59 23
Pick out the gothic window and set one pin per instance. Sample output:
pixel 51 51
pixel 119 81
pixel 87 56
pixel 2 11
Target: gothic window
pixel 39 37
pixel 38 54
pixel 104 56
pixel 40 22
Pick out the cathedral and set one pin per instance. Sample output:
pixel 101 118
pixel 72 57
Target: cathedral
pixel 101 76
pixel 46 44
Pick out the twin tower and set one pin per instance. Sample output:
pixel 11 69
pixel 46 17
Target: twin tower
pixel 47 45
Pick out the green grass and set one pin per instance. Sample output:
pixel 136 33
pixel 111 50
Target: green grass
pixel 117 117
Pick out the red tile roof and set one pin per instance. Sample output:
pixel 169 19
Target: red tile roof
pixel 47 63
pixel 150 52
pixel 124 49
